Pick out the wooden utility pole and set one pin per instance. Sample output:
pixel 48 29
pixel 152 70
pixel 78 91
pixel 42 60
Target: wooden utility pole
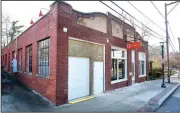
pixel 179 44
pixel 167 40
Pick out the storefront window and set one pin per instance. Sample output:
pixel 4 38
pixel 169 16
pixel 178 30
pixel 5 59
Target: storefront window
pixel 118 60
pixel 142 64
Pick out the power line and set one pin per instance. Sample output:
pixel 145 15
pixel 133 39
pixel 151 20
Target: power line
pixel 173 8
pixel 128 19
pixel 172 44
pixel 164 18
pixel 172 47
pixel 172 33
pixel 157 9
pixel 145 16
pixel 136 19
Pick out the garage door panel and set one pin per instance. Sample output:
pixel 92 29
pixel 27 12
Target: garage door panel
pixel 78 77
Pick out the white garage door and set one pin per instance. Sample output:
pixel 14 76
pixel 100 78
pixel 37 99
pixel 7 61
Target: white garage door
pixel 78 77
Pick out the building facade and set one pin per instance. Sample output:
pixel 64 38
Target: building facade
pixel 68 54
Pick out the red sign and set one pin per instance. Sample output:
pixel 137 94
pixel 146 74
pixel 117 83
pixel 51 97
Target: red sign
pixel 133 45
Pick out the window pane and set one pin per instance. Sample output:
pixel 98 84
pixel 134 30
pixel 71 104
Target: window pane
pixel 121 68
pixel 114 70
pixel 30 68
pixel 142 65
pixel 43 54
pixel 115 53
pixel 123 54
pixel 139 67
pixel 46 52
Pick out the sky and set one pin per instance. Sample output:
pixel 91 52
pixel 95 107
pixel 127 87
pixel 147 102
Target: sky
pixel 24 11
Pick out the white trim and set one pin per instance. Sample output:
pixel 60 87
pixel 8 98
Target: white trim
pixel 120 80
pixel 142 75
pixel 115 47
pixel 122 49
pixel 125 58
pixel 104 85
pixel 77 39
pixel 72 38
pixel 142 57
pixel 133 59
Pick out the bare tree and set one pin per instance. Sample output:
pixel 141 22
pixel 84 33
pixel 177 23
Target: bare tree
pixel 174 62
pixel 123 17
pixel 145 31
pixel 10 30
pixel 132 22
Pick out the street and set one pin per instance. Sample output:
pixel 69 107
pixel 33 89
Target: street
pixel 172 104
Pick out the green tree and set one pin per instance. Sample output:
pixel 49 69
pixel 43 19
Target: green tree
pixel 15 30
pixel 10 30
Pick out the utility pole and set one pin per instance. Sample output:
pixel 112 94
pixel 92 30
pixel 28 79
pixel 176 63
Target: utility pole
pixel 179 44
pixel 167 34
pixel 167 40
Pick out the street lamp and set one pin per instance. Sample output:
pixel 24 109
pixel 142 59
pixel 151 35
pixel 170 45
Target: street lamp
pixel 32 22
pixel 40 13
pixel 162 49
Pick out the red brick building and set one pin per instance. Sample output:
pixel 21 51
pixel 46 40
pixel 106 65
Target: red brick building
pixel 68 54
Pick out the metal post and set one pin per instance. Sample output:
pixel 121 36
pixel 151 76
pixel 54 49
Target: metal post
pixel 167 40
pixel 163 85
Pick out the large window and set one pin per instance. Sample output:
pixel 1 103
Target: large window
pixel 43 57
pixel 142 64
pixel 6 60
pixel 13 55
pixel 20 60
pixel 118 62
pixel 29 59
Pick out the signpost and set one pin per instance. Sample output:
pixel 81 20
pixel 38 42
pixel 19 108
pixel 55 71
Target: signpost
pixel 133 45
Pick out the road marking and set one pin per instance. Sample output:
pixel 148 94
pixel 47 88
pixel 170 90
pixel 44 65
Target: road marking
pixel 81 100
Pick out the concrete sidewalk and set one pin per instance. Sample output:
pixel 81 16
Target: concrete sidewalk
pixel 132 98
pixel 138 97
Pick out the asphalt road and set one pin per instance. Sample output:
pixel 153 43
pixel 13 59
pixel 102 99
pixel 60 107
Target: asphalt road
pixel 172 104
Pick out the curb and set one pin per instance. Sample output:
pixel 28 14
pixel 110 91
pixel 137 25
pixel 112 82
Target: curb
pixel 161 101
pixel 155 102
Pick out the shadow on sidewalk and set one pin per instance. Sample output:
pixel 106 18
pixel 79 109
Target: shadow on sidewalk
pixel 22 99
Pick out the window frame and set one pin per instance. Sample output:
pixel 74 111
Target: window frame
pixel 20 53
pixel 28 65
pixel 120 57
pixel 39 58
pixel 141 57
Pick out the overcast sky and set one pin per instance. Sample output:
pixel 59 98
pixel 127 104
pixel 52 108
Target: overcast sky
pixel 25 10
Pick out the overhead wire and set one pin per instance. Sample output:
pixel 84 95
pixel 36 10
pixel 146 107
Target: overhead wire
pixel 164 18
pixel 172 33
pixel 129 20
pixel 145 16
pixel 173 8
pixel 157 9
pixel 135 18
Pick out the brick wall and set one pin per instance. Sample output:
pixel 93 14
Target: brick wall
pixel 62 15
pixel 68 20
pixel 44 28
